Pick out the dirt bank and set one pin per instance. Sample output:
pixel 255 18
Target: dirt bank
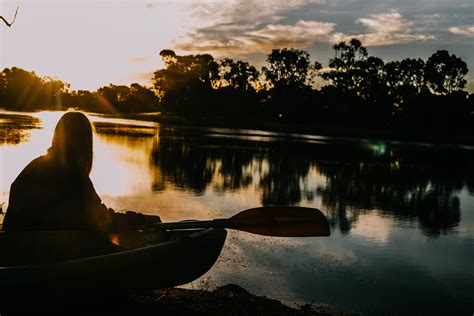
pixel 230 299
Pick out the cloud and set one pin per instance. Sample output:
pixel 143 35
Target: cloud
pixel 248 11
pixel 462 30
pixel 139 59
pixel 250 26
pixel 257 27
pixel 301 34
pixel 228 38
pixel 390 22
pixel 388 29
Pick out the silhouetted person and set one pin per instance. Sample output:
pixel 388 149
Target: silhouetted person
pixel 54 191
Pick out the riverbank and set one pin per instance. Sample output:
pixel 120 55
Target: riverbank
pixel 415 133
pixel 226 300
pixel 229 300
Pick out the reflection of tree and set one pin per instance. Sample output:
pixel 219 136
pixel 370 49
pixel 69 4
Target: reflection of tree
pixel 195 163
pixel 405 190
pixel 408 184
pixel 182 164
pixel 281 183
pixel 438 210
pixel 13 128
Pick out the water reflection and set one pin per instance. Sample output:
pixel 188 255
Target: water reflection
pixel 194 163
pixel 418 183
pixel 378 197
pixel 351 179
pixel 14 128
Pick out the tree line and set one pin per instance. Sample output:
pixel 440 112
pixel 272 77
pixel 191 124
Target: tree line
pixel 360 90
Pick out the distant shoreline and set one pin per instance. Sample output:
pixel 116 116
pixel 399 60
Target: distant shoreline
pixel 419 134
pixel 440 135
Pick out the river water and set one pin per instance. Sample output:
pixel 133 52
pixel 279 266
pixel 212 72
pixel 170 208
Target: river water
pixel 401 214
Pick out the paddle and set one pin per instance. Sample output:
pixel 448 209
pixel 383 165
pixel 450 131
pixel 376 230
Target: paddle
pixel 287 221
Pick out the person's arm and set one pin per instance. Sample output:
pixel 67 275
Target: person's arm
pixel 106 220
pixel 133 221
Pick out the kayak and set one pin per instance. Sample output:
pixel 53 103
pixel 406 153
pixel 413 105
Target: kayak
pixel 80 262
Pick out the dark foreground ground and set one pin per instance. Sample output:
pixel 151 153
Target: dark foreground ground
pixel 226 300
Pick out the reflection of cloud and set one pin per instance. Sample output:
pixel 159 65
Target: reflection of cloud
pixel 373 227
pixel 462 30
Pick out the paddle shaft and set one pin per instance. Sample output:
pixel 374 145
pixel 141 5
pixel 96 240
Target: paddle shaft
pixel 215 223
pixel 268 221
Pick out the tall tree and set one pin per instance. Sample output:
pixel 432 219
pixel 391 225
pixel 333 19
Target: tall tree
pixel 371 75
pixel 346 71
pixel 290 68
pixel 186 83
pixel 183 70
pixel 24 90
pixel 445 73
pixel 405 79
pixel 131 99
pixel 239 75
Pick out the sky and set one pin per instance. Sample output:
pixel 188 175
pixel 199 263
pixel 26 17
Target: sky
pixel 93 43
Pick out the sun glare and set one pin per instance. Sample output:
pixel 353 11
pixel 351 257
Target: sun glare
pixel 91 44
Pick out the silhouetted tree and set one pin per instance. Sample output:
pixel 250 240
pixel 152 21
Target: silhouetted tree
pixel 86 101
pixel 133 99
pixel 24 91
pixel 114 94
pixel 362 91
pixel 186 82
pixel 181 70
pixel 372 79
pixel 346 72
pixel 445 73
pixel 290 74
pixel 290 68
pixel 237 74
pixel 405 79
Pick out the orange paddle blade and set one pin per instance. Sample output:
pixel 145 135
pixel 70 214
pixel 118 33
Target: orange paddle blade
pixel 287 221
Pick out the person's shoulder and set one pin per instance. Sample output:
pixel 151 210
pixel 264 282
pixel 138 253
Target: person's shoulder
pixel 40 166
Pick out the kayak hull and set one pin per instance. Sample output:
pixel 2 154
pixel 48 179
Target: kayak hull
pixel 176 261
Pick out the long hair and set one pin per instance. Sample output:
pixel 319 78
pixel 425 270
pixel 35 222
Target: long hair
pixel 72 142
